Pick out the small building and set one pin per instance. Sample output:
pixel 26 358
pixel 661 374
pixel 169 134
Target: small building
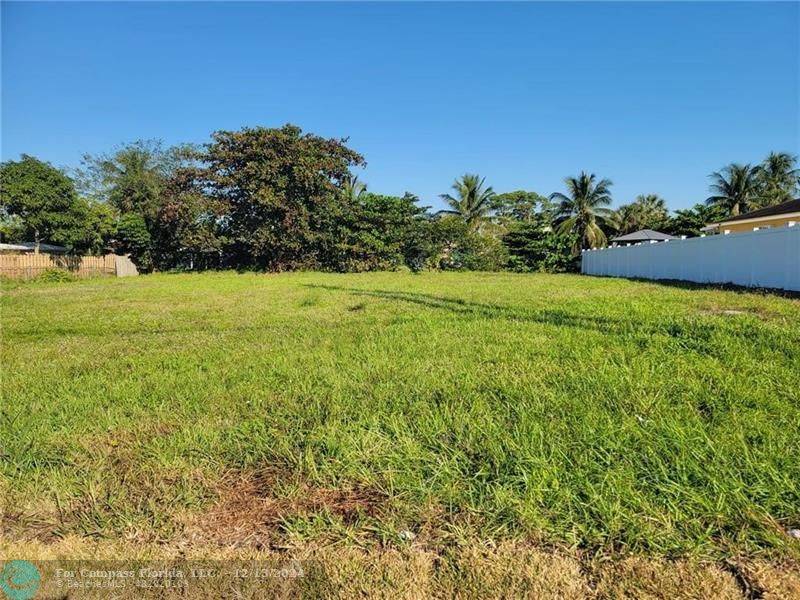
pixel 780 215
pixel 643 236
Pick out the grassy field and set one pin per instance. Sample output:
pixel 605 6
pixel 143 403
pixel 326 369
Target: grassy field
pixel 390 412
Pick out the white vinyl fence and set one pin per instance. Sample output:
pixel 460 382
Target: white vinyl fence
pixel 767 258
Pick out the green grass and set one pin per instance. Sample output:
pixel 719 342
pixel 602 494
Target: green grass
pixel 605 414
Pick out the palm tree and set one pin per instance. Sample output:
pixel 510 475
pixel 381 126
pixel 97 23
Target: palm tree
pixel 651 211
pixel 586 201
pixel 624 220
pixel 735 188
pixel 353 189
pixel 778 178
pixel 472 201
pixel 648 211
pixel 651 204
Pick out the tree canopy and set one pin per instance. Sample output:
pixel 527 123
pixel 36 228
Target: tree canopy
pixel 647 211
pixel 518 205
pixel 690 221
pixel 279 188
pixel 42 201
pixel 472 199
pixel 585 202
pixel 282 199
pixel 735 188
pixel 778 179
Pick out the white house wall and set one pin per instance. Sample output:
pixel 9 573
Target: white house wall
pixel 765 258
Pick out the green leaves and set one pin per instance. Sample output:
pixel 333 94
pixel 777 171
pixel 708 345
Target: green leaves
pixel 535 246
pixel 648 211
pixel 778 179
pixel 280 191
pixel 739 188
pixel 134 239
pixel 472 200
pixel 735 188
pixel 586 199
pixel 42 200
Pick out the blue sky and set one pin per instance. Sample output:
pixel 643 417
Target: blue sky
pixel 652 95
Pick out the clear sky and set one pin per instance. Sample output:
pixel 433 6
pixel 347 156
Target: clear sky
pixel 654 96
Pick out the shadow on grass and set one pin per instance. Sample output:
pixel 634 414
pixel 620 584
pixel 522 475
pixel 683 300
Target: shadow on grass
pixel 491 311
pixel 689 333
pixel 723 287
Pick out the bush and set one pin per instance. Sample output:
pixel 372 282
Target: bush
pixel 455 247
pixel 480 252
pixel 55 276
pixel 536 247
pixel 133 238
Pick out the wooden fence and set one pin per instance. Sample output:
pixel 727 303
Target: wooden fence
pixel 29 266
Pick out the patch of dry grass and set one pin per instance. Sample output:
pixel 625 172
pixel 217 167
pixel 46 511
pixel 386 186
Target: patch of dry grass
pixel 508 570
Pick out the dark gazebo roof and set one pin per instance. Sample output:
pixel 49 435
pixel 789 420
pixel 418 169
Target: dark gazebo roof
pixel 644 235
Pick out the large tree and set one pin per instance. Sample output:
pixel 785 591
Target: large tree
pixel 191 231
pixel 97 226
pixel 41 200
pixel 377 232
pixel 735 188
pixel 517 206
pixel 586 200
pixel 778 179
pixel 133 238
pixel 281 189
pixel 472 199
pixel 132 178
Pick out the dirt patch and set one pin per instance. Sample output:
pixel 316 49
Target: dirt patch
pixel 28 526
pixel 251 508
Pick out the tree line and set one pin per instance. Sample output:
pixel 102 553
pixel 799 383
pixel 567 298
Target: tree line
pixel 279 199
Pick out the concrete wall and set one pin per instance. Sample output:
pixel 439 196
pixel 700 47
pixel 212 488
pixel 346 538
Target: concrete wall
pixel 766 258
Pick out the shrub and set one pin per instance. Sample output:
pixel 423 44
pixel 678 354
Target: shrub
pixel 458 248
pixel 536 247
pixel 55 276
pixel 133 238
pixel 480 252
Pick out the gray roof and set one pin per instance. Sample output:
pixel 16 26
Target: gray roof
pixel 644 235
pixel 12 247
pixel 28 246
